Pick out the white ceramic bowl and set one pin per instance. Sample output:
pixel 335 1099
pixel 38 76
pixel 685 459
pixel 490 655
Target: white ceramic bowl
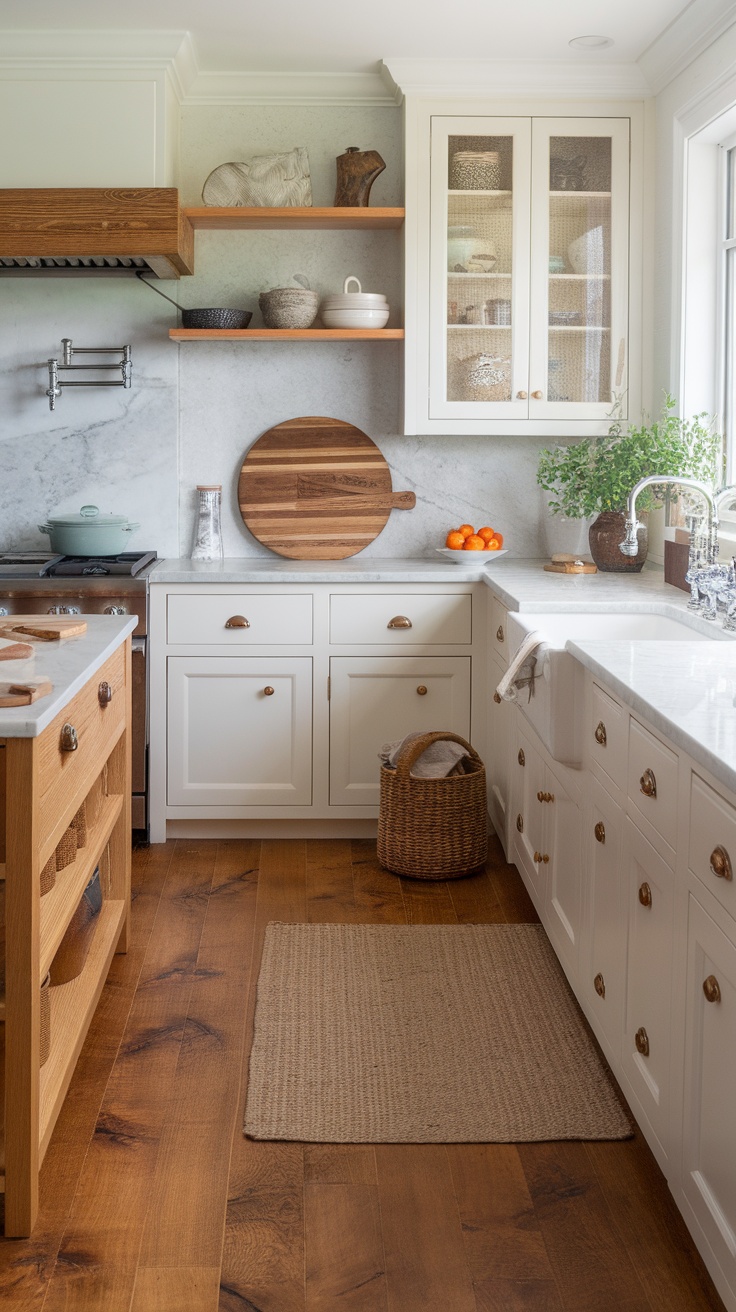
pixel 355 300
pixel 462 557
pixel 354 318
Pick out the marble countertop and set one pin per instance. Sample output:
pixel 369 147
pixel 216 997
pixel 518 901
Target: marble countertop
pixel 68 664
pixel 524 585
pixel 276 569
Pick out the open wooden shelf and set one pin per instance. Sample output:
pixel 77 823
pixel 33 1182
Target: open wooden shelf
pixel 59 904
pixel 286 334
pixel 72 1008
pixel 236 218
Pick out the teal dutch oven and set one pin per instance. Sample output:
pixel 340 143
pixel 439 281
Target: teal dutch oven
pixel 89 533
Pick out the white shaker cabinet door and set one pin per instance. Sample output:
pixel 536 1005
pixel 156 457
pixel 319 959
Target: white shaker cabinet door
pixel 603 967
pixel 709 1148
pixel 562 873
pixel 377 700
pixel 239 731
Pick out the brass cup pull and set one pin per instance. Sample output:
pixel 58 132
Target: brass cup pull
pixel 648 784
pixel 520 823
pixel 645 895
pixel 500 633
pixel 720 863
pixel 641 1040
pixel 104 694
pixel 399 622
pixel 538 396
pixel 268 691
pixel 237 622
pixel 712 989
pixel 68 741
pixel 600 832
pixel 600 733
pixel 521 757
pixel 497 698
pixel 599 984
pixel 422 690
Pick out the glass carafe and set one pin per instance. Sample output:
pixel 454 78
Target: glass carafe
pixel 208 527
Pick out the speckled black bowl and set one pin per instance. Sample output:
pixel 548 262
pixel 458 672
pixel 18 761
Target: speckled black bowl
pixel 215 318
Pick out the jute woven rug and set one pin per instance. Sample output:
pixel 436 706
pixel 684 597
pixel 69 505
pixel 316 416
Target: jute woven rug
pixel 422 1034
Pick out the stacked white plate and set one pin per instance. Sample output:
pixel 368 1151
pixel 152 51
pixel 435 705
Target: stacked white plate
pixel 354 309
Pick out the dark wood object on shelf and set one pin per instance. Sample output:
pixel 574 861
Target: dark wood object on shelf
pixel 676 557
pixel 357 170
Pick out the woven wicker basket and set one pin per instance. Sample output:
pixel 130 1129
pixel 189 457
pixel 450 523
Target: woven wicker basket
pixel 433 828
pixel 44 1046
pixel 48 875
pixel 79 825
pixel 66 848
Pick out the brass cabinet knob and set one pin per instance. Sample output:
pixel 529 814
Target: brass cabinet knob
pixel 545 797
pixel 641 1039
pixel 104 694
pixel 520 823
pixel 538 396
pixel 541 857
pixel 521 757
pixel 712 989
pixel 540 797
pixel 268 691
pixel 399 622
pixel 500 633
pixel 599 984
pixel 237 622
pixel 720 863
pixel 600 733
pixel 599 830
pixel 422 690
pixel 648 784
pixel 645 895
pixel 538 857
pixel 497 698
pixel 68 741
pixel 521 396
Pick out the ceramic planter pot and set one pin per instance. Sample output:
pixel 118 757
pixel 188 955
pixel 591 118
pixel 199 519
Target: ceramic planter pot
pixel 606 534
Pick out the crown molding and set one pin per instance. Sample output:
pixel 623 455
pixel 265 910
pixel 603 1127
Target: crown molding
pixel 687 37
pixel 288 88
pixel 473 78
pixel 68 54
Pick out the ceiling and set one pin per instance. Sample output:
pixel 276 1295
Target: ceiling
pixel 331 36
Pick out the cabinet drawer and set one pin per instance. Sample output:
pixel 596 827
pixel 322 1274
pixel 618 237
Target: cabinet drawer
pixel 607 735
pixel 382 619
pixel 65 776
pixel 239 619
pixel 712 849
pixel 499 639
pixel 652 781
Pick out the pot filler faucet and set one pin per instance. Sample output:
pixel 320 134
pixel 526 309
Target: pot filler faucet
pixel 124 365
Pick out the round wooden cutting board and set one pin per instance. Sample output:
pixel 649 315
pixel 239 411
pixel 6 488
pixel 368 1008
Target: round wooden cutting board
pixel 317 489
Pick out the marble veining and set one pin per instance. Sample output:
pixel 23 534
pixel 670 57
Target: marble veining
pixel 68 664
pixel 274 569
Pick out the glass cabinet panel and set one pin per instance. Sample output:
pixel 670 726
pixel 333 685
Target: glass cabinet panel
pixel 479 267
pixel 579 290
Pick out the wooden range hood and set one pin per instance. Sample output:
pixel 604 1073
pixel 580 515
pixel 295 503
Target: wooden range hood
pixel 90 230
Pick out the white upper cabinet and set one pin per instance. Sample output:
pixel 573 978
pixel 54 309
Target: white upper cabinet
pixel 518 308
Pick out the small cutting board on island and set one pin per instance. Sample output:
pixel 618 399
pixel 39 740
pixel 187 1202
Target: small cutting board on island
pixel 317 489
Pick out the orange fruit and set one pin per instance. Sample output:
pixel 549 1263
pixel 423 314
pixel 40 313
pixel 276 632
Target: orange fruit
pixel 486 534
pixel 466 530
pixel 455 539
pixel 498 538
pixel 474 543
pixel 493 545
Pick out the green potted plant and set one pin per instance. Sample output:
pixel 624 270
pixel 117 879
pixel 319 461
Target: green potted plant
pixel 595 476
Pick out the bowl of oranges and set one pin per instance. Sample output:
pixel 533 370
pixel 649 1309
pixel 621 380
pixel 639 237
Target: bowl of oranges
pixel 461 542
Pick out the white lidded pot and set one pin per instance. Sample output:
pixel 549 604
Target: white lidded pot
pixel 359 309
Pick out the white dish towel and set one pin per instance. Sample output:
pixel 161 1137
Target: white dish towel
pixel 507 689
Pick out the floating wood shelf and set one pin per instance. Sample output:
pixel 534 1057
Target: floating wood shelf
pixel 286 334
pixel 236 218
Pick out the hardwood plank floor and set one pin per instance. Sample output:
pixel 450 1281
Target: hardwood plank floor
pixel 153 1201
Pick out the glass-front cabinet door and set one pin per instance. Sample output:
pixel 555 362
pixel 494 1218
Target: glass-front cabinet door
pixel 528 271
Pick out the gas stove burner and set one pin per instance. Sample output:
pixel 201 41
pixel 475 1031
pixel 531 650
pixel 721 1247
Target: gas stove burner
pixel 128 563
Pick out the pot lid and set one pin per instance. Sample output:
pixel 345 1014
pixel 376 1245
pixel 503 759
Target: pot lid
pixel 91 518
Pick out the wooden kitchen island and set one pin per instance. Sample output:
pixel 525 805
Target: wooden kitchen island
pixel 54 755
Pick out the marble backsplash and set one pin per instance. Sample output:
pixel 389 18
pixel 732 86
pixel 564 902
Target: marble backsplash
pixel 193 410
